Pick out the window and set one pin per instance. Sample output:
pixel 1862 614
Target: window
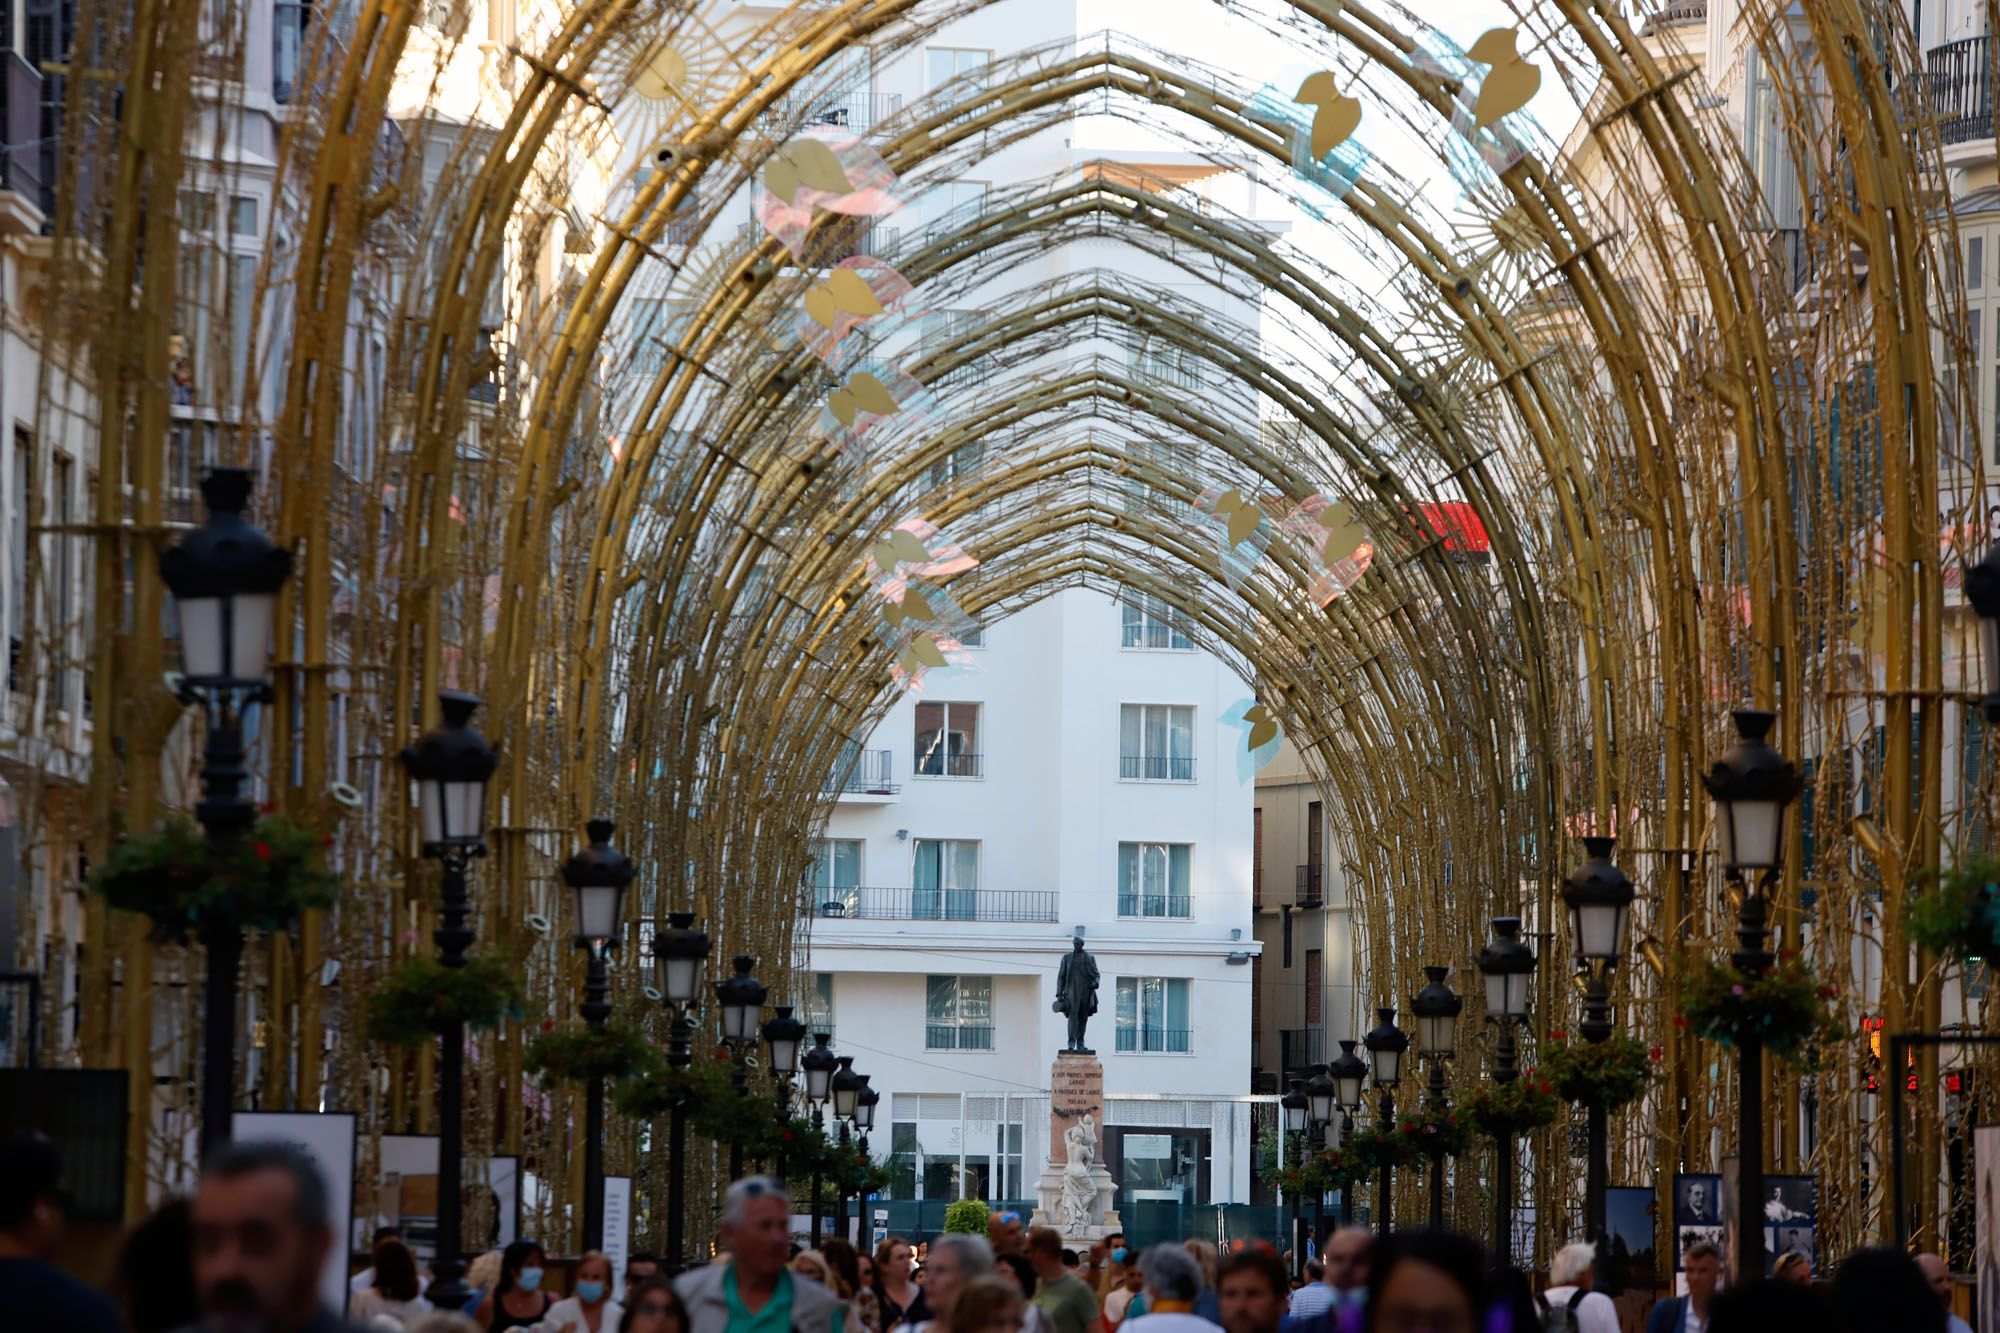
pixel 17 552
pixel 942 64
pixel 952 204
pixel 944 881
pixel 1148 623
pixel 61 571
pixel 1257 1010
pixel 1314 982
pixel 956 467
pixel 1975 262
pixel 818 1016
pixel 198 211
pixel 1156 742
pixel 1153 879
pixel 1309 892
pixel 958 1014
pixel 836 868
pixel 242 215
pixel 948 740
pixel 1153 1015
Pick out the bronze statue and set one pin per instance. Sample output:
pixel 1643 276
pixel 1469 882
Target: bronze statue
pixel 1076 993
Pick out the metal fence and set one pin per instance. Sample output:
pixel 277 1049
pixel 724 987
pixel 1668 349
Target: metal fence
pixel 911 904
pixel 1961 87
pixel 1155 768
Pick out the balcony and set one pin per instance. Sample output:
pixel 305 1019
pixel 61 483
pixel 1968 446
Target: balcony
pixel 852 902
pixel 1299 1049
pixel 952 1037
pixel 1164 906
pixel 938 764
pixel 1961 89
pixel 1155 1041
pixel 26 155
pixel 1154 768
pixel 854 110
pixel 867 781
pixel 1306 886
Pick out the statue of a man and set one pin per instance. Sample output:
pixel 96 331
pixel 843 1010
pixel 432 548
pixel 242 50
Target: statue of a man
pixel 1076 993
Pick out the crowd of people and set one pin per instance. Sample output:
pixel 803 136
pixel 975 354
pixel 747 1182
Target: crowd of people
pixel 247 1252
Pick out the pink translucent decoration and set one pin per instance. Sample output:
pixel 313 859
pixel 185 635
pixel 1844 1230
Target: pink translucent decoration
pixel 1330 578
pixel 946 559
pixel 890 287
pixel 872 197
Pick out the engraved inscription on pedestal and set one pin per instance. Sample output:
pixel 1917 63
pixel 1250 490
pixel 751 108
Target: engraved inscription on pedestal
pixel 1075 1191
pixel 1076 1090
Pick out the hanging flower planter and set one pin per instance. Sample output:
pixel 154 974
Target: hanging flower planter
pixel 421 997
pixel 188 884
pixel 1958 916
pixel 1375 1148
pixel 1609 1073
pixel 1786 1008
pixel 1508 1110
pixel 1437 1131
pixel 577 1053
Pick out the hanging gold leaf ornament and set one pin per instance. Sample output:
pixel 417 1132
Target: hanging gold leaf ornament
pixel 913 606
pixel 1335 115
pixel 1513 82
pixel 922 652
pixel 863 392
pixel 1343 531
pixel 1263 727
pixel 843 290
pixel 809 163
pixel 900 546
pixel 662 74
pixel 1240 514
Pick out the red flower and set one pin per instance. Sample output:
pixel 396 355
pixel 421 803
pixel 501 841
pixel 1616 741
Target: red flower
pixel 1558 1034
pixel 1545 1088
pixel 1826 992
pixel 1655 1053
pixel 1680 1021
pixel 326 840
pixel 548 1025
pixel 268 808
pixel 261 850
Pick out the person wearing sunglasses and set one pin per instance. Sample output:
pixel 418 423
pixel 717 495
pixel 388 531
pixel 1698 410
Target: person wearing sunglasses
pixel 1003 1233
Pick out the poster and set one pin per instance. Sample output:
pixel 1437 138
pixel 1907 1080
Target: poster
pixel 406 1197
pixel 617 1226
pixel 1986 1225
pixel 1628 1257
pixel 328 1138
pixel 1697 1215
pixel 1791 1215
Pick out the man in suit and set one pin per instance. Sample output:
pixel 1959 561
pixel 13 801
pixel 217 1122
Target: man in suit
pixel 1698 1208
pixel 1689 1313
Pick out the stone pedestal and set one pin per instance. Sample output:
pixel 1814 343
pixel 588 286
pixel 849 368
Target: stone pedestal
pixel 1076 1091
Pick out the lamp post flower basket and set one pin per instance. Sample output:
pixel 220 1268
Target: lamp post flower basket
pixel 702 1086
pixel 1786 1008
pixel 188 884
pixel 1508 1110
pixel 1339 1168
pixel 578 1052
pixel 1958 916
pixel 1298 1180
pixel 1607 1073
pixel 1437 1131
pixel 421 996
pixel 1377 1148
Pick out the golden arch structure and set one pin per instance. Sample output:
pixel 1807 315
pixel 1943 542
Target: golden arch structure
pixel 1705 484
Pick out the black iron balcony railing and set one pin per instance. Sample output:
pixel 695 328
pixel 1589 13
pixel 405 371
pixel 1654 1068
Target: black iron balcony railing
pixel 901 904
pixel 853 110
pixel 1154 768
pixel 25 154
pixel 1306 886
pixel 1153 635
pixel 870 775
pixel 1961 88
pixel 954 1037
pixel 938 764
pixel 1155 1041
pixel 1173 906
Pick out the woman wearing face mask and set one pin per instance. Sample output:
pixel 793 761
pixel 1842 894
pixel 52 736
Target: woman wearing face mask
pixel 518 1300
pixel 591 1310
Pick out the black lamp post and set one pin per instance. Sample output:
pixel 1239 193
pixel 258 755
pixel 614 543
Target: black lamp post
pixel 1293 1103
pixel 451 766
pixel 742 998
pixel 1437 1010
pixel 783 1035
pixel 1599 899
pixel 820 1065
pixel 1347 1073
pixel 680 950
pixel 1751 785
pixel 847 1087
pixel 597 877
pixel 1982 589
pixel 864 1120
pixel 1320 1104
pixel 224 577
pixel 1509 969
pixel 1386 1043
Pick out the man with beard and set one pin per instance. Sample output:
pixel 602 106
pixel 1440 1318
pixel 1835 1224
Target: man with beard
pixel 261 1237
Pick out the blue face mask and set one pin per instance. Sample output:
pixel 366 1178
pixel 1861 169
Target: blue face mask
pixel 590 1293
pixel 531 1279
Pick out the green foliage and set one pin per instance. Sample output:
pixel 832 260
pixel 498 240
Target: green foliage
pixel 1958 917
pixel 1786 1008
pixel 1437 1131
pixel 577 1052
pixel 1609 1073
pixel 1377 1148
pixel 421 996
pixel 1339 1168
pixel 702 1086
pixel 187 884
pixel 1511 1109
pixel 966 1215
pixel 1330 1169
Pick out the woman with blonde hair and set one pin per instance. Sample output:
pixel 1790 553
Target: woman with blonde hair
pixel 986 1305
pixel 813 1264
pixel 591 1309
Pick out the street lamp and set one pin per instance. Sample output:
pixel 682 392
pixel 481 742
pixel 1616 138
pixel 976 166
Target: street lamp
pixel 1751 784
pixel 1982 589
pixel 451 765
pixel 1347 1074
pixel 1294 1105
pixel 1320 1100
pixel 597 877
pixel 224 577
pixel 741 997
pixel 1386 1043
pixel 1509 969
pixel 783 1035
pixel 1599 899
pixel 864 1120
pixel 1437 1009
pixel 679 952
pixel 847 1089
pixel 820 1065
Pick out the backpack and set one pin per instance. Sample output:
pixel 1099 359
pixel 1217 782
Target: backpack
pixel 1561 1318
